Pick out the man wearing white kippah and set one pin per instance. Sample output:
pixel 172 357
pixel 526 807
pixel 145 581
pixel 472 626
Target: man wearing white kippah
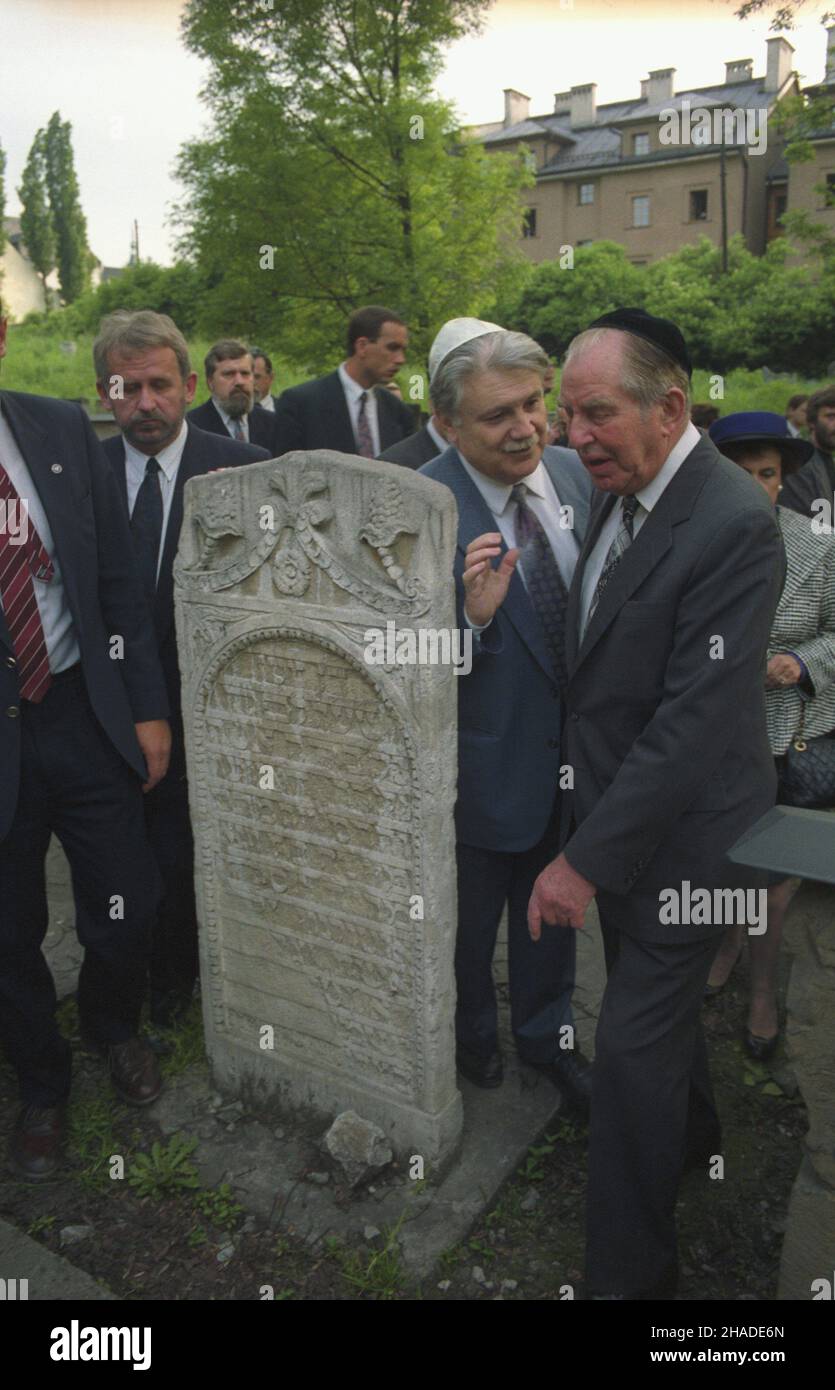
pixel 522 507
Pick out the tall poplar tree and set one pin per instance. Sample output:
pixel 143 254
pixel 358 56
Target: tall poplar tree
pixel 72 254
pixel 36 219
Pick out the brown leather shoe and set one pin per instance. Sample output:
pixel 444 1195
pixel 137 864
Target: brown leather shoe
pixel 134 1071
pixel 36 1149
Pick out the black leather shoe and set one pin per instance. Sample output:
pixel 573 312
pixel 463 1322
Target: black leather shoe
pixel 572 1074
pixel 134 1071
pixel 36 1149
pixel 759 1048
pixel 486 1072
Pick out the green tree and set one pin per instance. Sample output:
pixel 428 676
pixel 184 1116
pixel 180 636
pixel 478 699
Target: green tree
pixel 334 177
pixel 72 252
pixel 36 223
pixel 2 199
pixel 173 290
pixel 561 299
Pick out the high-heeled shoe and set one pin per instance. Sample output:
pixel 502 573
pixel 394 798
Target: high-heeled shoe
pixel 759 1048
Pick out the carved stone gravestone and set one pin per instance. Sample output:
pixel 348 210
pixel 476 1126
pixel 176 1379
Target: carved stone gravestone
pixel 322 787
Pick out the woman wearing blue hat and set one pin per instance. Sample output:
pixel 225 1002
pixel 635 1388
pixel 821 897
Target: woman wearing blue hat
pixel 800 677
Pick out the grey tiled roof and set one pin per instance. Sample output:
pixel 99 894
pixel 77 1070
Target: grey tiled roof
pixel 599 144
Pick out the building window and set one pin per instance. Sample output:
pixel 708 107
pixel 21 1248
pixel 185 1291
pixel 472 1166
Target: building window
pixel 587 242
pixel 698 205
pixel 640 211
pixel 586 194
pixel 640 144
pixel 529 224
pixel 780 206
pixel 830 191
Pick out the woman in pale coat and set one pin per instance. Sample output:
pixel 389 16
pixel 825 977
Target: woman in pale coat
pixel 800 677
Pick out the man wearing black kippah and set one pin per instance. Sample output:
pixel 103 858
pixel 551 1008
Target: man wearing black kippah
pixel 667 627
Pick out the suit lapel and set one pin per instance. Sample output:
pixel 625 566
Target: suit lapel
pixel 54 482
pixel 601 509
pixel 650 546
pixel 474 518
pixel 336 407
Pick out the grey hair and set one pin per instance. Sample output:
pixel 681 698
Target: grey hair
pixel 648 373
pixel 492 352
pixel 130 331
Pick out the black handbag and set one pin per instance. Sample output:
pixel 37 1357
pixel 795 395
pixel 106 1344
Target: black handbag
pixel 807 771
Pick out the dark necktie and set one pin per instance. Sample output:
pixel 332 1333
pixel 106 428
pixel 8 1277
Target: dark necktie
pixel 544 583
pixel 364 440
pixel 18 564
pixel 617 550
pixel 238 429
pixel 146 526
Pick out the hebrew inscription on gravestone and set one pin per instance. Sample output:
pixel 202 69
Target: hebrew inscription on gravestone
pixel 322 787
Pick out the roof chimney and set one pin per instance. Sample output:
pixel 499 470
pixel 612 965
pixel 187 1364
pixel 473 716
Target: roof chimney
pixel 739 71
pixel 562 103
pixel 778 70
pixel 644 88
pixel 660 86
pixel 516 107
pixel 829 75
pixel 583 104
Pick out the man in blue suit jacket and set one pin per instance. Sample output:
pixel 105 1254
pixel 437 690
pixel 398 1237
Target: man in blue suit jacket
pixel 147 356
pixel 83 729
pixel 487 391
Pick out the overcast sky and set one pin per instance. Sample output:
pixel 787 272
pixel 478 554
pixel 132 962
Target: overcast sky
pixel 117 70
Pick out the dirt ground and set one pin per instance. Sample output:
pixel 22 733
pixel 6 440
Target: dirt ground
pixel 159 1234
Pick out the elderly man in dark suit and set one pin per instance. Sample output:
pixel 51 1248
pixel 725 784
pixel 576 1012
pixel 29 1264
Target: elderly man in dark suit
pixel 526 505
pixel 668 625
pixel 146 357
pixel 233 411
pixel 345 410
pixel 83 731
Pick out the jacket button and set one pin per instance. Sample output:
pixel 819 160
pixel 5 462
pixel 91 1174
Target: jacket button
pixel 553 743
pixel 10 662
pixel 13 711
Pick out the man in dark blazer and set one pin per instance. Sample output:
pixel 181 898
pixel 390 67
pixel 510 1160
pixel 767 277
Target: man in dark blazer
pixel 345 410
pixel 488 393
pixel 814 483
pixel 417 449
pixel 146 353
pixel 83 730
pixel 232 411
pixel 668 623
pixel 263 377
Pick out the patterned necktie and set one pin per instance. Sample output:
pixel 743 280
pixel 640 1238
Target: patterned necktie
pixel 146 526
pixel 18 563
pixel 238 429
pixel 544 583
pixel 364 440
pixel 616 551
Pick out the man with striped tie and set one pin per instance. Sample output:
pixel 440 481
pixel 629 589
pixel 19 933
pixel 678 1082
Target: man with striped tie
pixel 83 731
pixel 667 626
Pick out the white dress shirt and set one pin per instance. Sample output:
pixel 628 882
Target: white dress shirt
pixel 267 402
pixel 169 463
pixel 544 503
pixel 436 436
pixel 230 422
pixel 50 595
pixel 647 498
pixel 353 392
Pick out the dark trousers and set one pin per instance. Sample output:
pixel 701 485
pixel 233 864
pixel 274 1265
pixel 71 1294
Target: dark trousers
pixel 651 1102
pixel 174 964
pixel 541 973
pixel 75 784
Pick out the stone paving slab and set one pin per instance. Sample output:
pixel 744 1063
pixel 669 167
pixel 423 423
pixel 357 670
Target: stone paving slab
pixel 49 1276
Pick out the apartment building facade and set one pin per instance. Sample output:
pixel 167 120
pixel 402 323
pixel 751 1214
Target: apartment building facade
pixel 663 169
